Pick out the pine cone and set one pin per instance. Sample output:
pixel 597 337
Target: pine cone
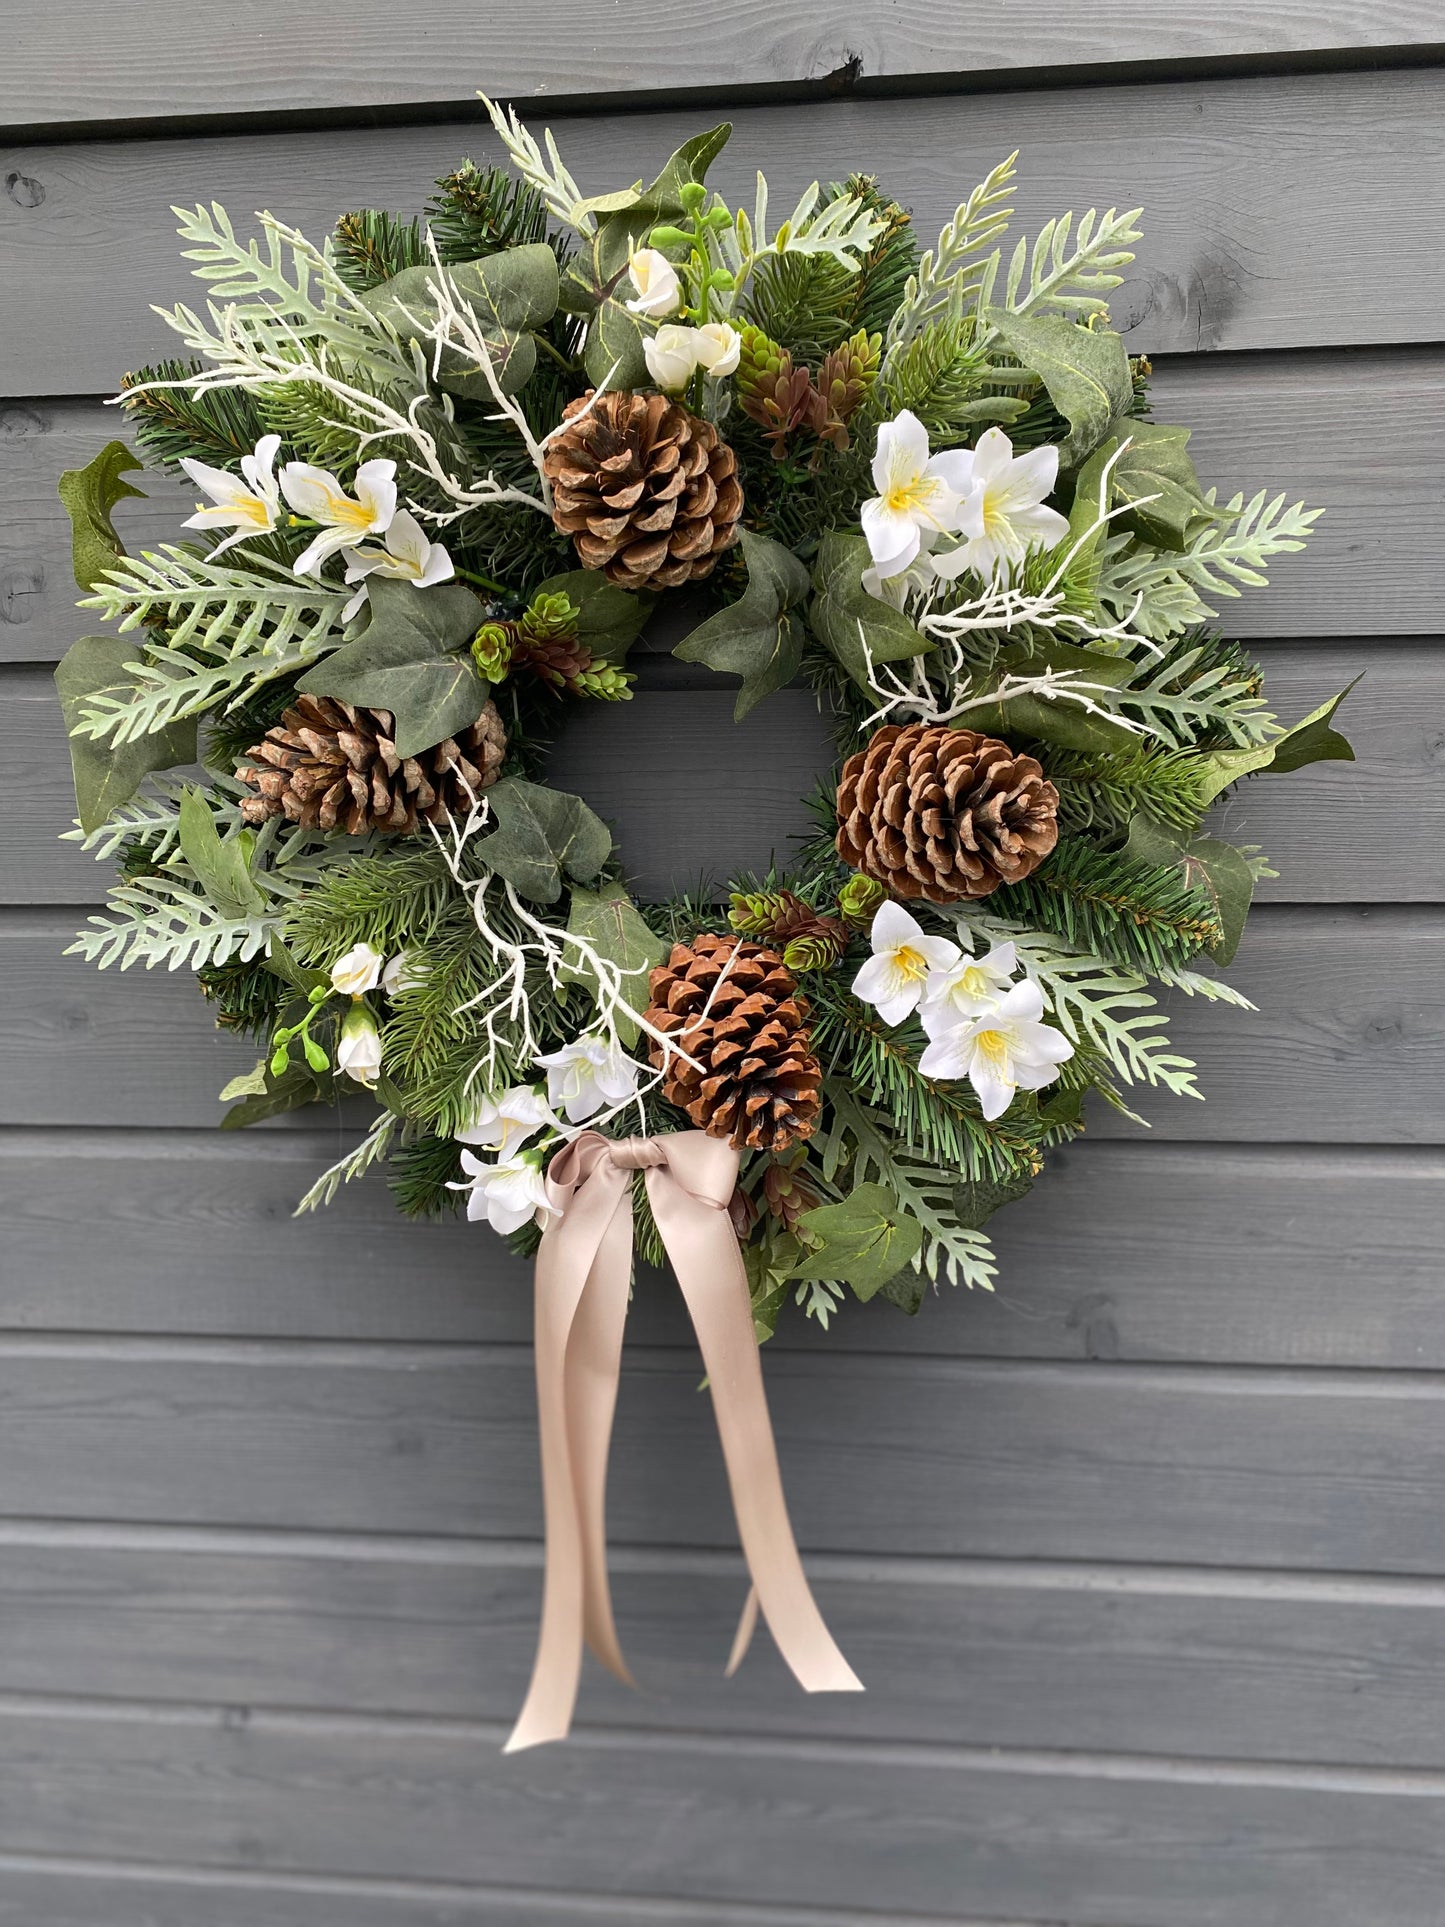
pixel 649 493
pixel 944 814
pixel 786 1196
pixel 731 1006
pixel 808 939
pixel 331 766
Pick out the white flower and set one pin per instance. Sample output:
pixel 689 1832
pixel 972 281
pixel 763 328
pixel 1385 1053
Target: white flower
pixel 893 978
pixel 1005 1050
pixel 671 356
pixel 249 507
pixel 357 972
pixel 717 348
pixel 408 557
pixel 659 291
pixel 359 1052
pixel 896 589
pixel 507 1194
pixel 503 1124
pixel 970 988
pixel 918 493
pixel 1004 516
pixel 405 971
pixel 346 520
pixel 586 1076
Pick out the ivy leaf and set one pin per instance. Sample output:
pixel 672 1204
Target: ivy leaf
pixel 89 495
pixel 976 1200
pixel 760 636
pixel 541 834
pixel 223 869
pixel 1156 463
pixel 296 1086
pixel 1311 741
pixel 510 293
pixel 770 1271
pixel 861 1242
pixel 1061 722
pixel 841 606
pixel 609 920
pixel 1085 370
pixel 609 620
pixel 106 774
pixel 406 661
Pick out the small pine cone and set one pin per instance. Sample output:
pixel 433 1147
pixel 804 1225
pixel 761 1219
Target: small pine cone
pixel 944 814
pixel 808 939
pixel 731 1005
pixel 784 1193
pixel 649 493
pixel 330 766
pixel 560 661
pixel 843 382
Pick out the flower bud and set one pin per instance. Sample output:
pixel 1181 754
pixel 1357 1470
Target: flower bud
pixel 671 356
pixel 692 194
pixel 357 972
pixel 717 347
pixel 359 1052
pixel 659 291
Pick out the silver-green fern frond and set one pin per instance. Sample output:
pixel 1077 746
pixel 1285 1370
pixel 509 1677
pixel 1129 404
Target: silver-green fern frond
pixel 165 920
pixel 1163 592
pixel 950 275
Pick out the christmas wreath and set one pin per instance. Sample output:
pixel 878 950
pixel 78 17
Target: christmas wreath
pixel 453 463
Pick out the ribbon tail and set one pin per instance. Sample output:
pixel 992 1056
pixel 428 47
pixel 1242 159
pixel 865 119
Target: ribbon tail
pixel 705 1255
pixel 743 1637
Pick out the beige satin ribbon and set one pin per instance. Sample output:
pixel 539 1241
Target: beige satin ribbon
pixel 583 1276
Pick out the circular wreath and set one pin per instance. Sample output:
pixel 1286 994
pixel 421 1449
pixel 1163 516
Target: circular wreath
pixel 453 463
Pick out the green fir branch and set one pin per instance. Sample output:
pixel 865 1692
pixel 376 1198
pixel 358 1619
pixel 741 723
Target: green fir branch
pixel 217 426
pixel 1137 914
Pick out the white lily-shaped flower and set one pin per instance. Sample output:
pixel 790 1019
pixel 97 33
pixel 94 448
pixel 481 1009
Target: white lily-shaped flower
pixel 671 356
pixel 504 1124
pixel 919 575
pixel 1007 1049
pixel 248 506
pixel 893 978
pixel 507 1194
pixel 1004 516
pixel 918 494
pixel 659 291
pixel 346 520
pixel 409 556
pixel 407 970
pixel 357 972
pixel 968 989
pixel 586 1076
pixel 359 1052
pixel 717 347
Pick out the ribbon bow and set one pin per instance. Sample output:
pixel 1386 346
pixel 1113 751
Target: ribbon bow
pixel 584 1270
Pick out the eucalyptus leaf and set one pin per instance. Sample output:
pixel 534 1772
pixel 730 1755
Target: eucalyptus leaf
pixel 609 619
pixel 1156 463
pixel 222 868
pixel 1225 873
pixel 1151 841
pixel 610 921
pixel 89 495
pixel 760 636
pixel 541 835
pixel 861 1242
pixel 1312 740
pixel 511 294
pixel 107 774
pixel 1085 370
pixel 1061 722
pixel 407 661
pixel 844 617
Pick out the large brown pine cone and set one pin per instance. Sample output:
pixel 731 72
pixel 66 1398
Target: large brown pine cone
pixel 944 814
pixel 331 766
pixel 731 1005
pixel 649 493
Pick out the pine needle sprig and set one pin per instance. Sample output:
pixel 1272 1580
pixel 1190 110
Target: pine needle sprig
pixel 885 270
pixel 478 211
pixel 422 1169
pixel 1138 914
pixel 1102 793
pixel 393 902
pixel 246 996
pixel 218 425
pixel 371 246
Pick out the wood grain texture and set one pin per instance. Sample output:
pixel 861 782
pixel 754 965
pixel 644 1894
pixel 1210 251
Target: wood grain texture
pixel 287 59
pixel 1354 1054
pixel 1171 1661
pixel 1260 1255
pixel 1353 434
pixel 1102 1842
pixel 1282 212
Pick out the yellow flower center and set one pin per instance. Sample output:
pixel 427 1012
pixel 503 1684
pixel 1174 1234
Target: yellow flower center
pixel 993 1046
pixel 911 965
pixel 973 982
pixel 256 512
pixel 909 494
pixel 343 513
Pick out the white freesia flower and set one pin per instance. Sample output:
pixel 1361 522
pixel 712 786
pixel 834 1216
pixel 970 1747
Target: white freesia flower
pixel 249 506
pixel 970 988
pixel 357 972
pixel 346 519
pixel 1006 1050
pixel 503 1124
pixel 893 978
pixel 918 493
pixel 659 291
pixel 506 1194
pixel 717 347
pixel 586 1076
pixel 359 1052
pixel 1004 516
pixel 896 589
pixel 409 556
pixel 671 356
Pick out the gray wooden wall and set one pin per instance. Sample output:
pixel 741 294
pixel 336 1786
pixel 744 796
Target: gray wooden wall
pixel 1143 1559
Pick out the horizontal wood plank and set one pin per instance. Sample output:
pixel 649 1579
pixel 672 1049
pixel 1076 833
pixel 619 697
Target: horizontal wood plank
pixel 901 1830
pixel 1165 1661
pixel 1347 1045
pixel 914 1456
pixel 288 61
pixel 1253 1255
pixel 1281 212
